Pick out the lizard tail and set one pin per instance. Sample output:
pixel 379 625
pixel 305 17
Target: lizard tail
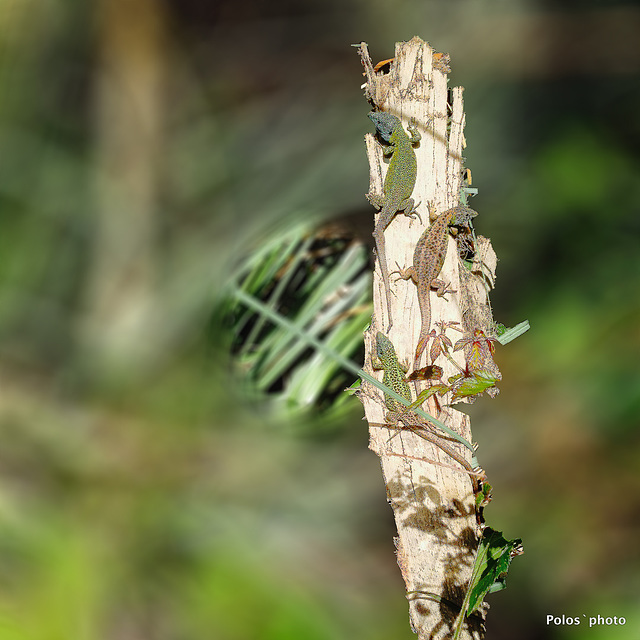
pixel 422 345
pixel 425 312
pixel 382 259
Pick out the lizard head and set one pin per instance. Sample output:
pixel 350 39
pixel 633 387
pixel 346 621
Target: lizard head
pixel 385 123
pixel 463 215
pixel 384 347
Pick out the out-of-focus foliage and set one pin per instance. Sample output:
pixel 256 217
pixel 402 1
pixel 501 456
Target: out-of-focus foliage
pixel 151 149
pixel 322 284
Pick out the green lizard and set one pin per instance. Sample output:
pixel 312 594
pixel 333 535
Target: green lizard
pixel 394 378
pixel 398 185
pixel 394 373
pixel 428 258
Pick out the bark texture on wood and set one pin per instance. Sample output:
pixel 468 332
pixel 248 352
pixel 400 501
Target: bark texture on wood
pixel 433 502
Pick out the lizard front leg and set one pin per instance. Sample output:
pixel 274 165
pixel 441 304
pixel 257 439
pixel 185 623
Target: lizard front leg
pixel 415 136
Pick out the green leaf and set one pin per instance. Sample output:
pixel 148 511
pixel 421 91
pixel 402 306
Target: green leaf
pixel 425 394
pixel 489 571
pixel 484 496
pixel 492 564
pixel 514 332
pixel 476 383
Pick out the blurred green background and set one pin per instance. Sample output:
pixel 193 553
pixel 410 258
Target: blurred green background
pixel 151 489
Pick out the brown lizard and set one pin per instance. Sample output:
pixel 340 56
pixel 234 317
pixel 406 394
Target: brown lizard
pixel 428 258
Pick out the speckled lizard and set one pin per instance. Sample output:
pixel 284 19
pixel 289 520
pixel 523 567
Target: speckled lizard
pixel 428 258
pixel 394 378
pixel 398 185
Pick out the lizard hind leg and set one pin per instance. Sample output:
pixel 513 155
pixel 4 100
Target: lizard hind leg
pixel 441 288
pixel 410 209
pixel 391 420
pixel 408 273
